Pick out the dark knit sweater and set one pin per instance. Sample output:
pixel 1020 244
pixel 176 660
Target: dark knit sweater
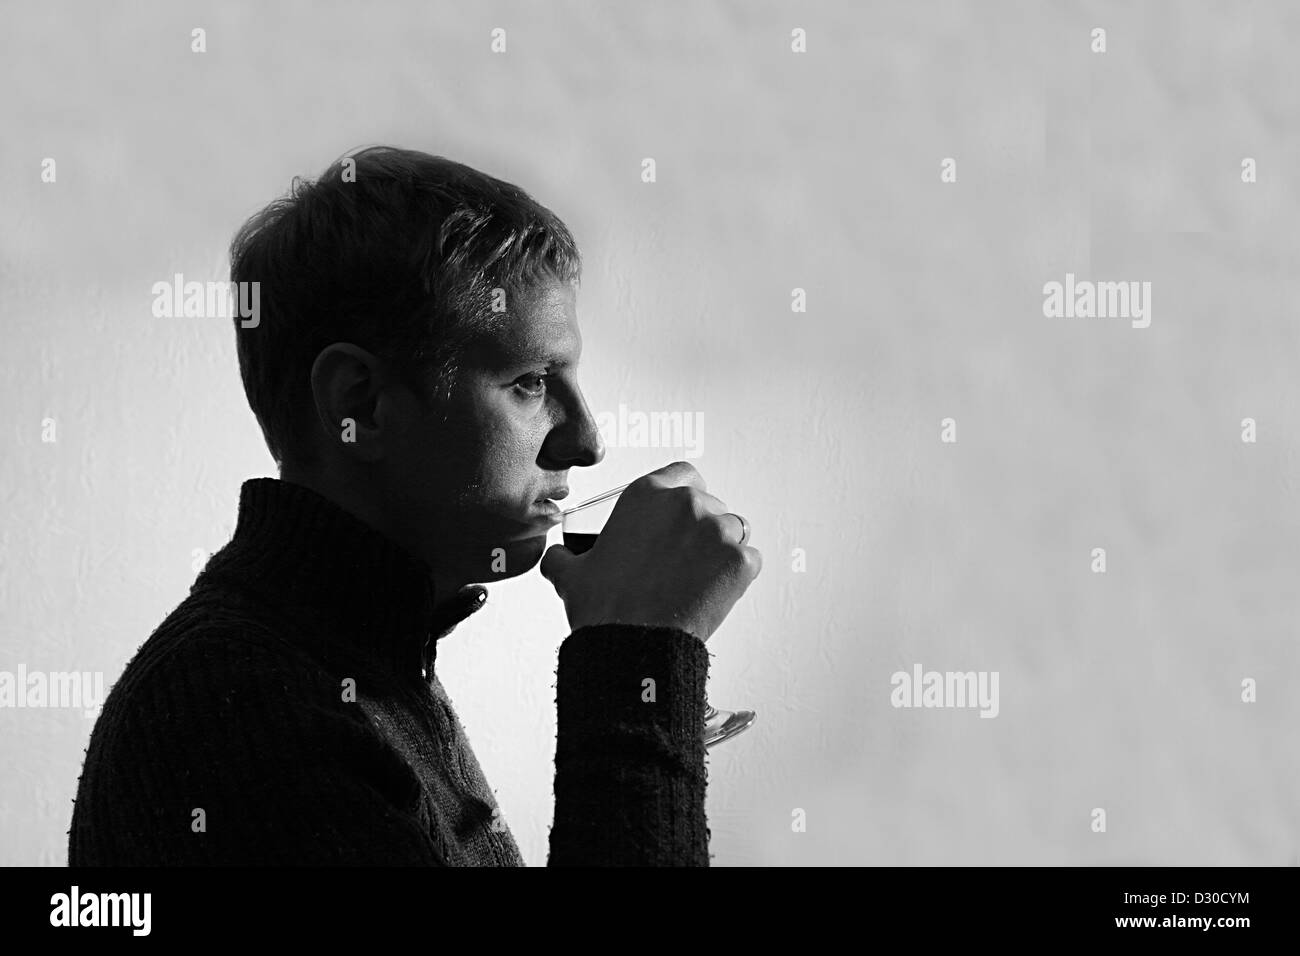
pixel 288 712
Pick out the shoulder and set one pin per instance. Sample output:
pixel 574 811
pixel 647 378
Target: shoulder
pixel 202 695
pixel 230 717
pixel 203 662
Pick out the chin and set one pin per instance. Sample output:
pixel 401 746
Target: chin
pixel 513 558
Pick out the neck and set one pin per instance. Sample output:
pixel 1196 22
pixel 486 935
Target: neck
pixel 352 497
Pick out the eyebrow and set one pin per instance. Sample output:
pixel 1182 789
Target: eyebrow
pixel 532 358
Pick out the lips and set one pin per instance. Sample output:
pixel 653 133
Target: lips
pixel 550 511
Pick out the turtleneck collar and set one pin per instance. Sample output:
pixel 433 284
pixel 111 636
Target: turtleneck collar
pixel 305 554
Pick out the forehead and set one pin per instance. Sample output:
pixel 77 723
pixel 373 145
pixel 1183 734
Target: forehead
pixel 540 326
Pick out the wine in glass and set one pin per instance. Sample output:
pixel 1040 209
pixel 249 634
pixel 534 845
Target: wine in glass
pixel 582 524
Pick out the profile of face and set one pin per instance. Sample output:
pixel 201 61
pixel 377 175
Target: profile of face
pixel 465 486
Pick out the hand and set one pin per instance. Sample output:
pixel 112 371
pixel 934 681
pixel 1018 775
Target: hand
pixel 669 556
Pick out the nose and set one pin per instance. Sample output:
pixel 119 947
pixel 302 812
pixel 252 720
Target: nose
pixel 575 442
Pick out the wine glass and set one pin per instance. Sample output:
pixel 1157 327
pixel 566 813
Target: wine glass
pixel 582 524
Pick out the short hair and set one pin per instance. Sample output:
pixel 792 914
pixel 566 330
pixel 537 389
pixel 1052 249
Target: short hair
pixel 401 259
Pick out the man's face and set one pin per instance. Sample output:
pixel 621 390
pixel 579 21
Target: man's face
pixel 466 494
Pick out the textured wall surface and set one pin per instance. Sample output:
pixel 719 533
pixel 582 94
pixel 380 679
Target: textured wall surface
pixel 776 170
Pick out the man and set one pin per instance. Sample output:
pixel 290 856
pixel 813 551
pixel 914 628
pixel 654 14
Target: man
pixel 413 370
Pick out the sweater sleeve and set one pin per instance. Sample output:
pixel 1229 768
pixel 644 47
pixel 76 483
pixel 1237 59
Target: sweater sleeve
pixel 186 773
pixel 629 762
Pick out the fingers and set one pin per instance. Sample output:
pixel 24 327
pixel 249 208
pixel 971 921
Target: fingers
pixel 555 564
pixel 731 526
pixel 741 526
pixel 711 504
pixel 675 475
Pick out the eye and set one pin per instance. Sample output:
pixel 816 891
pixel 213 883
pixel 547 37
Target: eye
pixel 539 378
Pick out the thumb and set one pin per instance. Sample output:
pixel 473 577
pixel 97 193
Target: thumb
pixel 555 565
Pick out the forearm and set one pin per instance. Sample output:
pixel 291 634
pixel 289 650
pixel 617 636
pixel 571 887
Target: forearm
pixel 630 776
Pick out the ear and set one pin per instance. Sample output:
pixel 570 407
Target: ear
pixel 347 384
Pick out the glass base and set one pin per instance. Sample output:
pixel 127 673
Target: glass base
pixel 720 725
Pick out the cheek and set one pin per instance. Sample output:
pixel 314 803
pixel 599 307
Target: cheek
pixel 497 442
pixel 506 454
pixel 508 439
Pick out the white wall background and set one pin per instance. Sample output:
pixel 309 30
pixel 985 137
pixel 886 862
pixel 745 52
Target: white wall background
pixel 775 171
